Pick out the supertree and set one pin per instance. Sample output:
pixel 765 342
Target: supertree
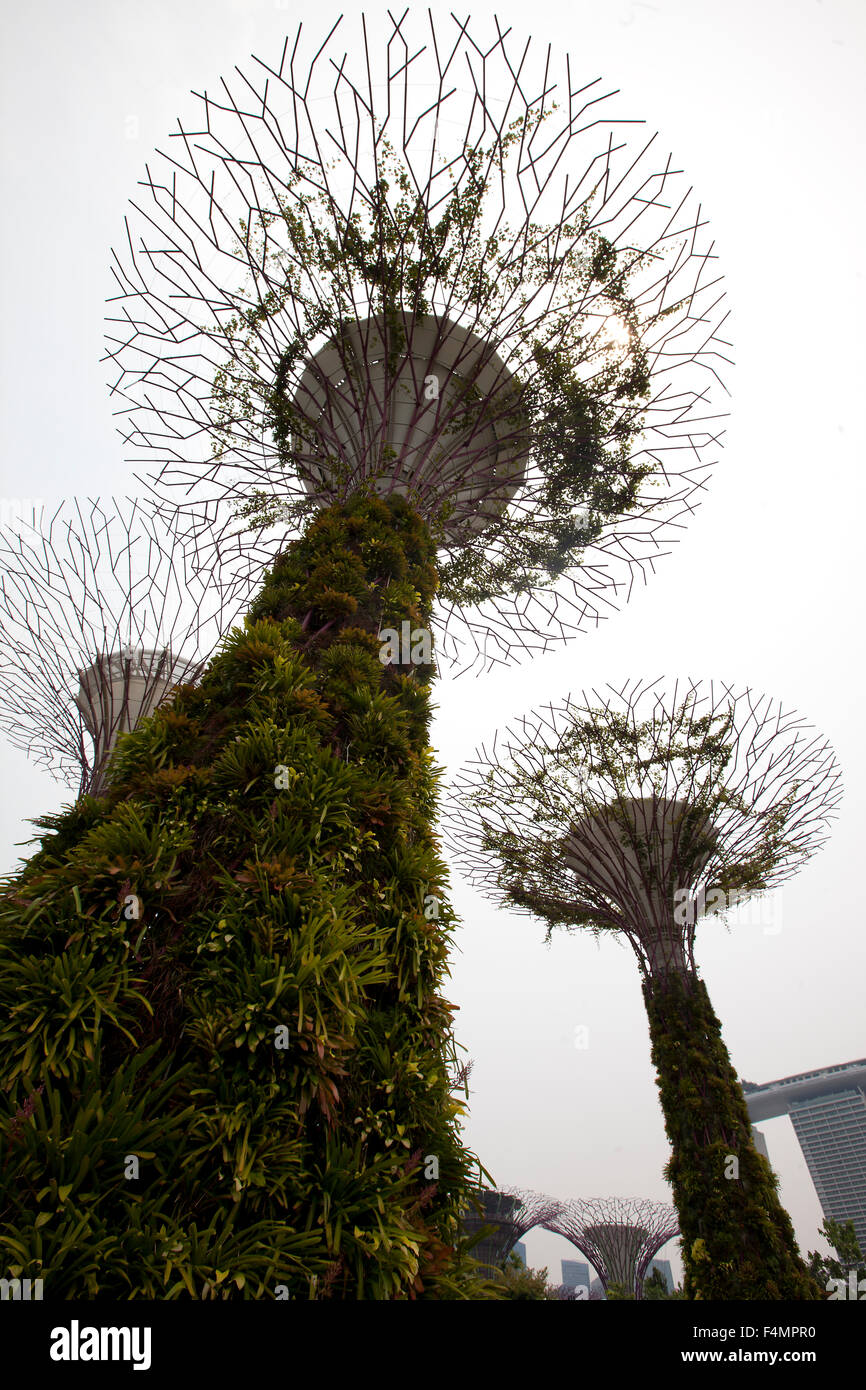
pixel 106 606
pixel 506 1214
pixel 447 271
pixel 457 340
pixel 619 1237
pixel 636 812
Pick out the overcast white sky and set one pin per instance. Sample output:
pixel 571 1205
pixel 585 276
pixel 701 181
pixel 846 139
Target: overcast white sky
pixel 761 101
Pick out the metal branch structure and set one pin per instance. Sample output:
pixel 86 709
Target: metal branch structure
pixel 511 1212
pixel 619 1237
pixel 641 809
pixel 439 265
pixel 106 606
pixel 636 812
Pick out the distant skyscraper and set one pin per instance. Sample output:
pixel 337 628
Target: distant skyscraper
pixel 520 1249
pixel 828 1112
pixel 760 1143
pixel 575 1273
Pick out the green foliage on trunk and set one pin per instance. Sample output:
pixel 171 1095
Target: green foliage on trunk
pixel 737 1238
pixel 229 968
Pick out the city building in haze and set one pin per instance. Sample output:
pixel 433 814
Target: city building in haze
pixel 828 1111
pixel 760 1143
pixel 575 1274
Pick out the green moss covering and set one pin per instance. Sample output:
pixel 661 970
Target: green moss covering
pixel 230 967
pixel 737 1238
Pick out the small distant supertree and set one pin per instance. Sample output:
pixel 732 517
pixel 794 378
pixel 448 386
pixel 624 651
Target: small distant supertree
pixel 505 1215
pixel 619 1237
pixel 106 606
pixel 636 813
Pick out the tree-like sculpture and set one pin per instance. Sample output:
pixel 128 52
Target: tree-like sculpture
pixel 462 337
pixel 223 976
pixel 619 1237
pixel 506 1215
pixel 442 268
pixel 635 813
pixel 105 607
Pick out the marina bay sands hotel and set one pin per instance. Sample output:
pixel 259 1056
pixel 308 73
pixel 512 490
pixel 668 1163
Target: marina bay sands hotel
pixel 828 1112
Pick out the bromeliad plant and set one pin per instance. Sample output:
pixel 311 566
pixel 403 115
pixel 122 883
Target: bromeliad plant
pixel 226 1062
pixel 635 817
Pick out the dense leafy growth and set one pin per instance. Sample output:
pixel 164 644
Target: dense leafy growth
pixel 515 1281
pixel 737 1238
pixel 227 1066
pixel 656 1289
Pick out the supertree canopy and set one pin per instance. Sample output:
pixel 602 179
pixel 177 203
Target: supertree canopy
pixel 619 1237
pixel 634 813
pixel 441 266
pixel 106 606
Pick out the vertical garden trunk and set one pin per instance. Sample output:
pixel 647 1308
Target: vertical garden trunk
pixel 737 1238
pixel 225 1055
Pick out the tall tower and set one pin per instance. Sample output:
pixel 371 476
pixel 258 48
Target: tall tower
pixel 828 1111
pixel 622 816
pixel 424 296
